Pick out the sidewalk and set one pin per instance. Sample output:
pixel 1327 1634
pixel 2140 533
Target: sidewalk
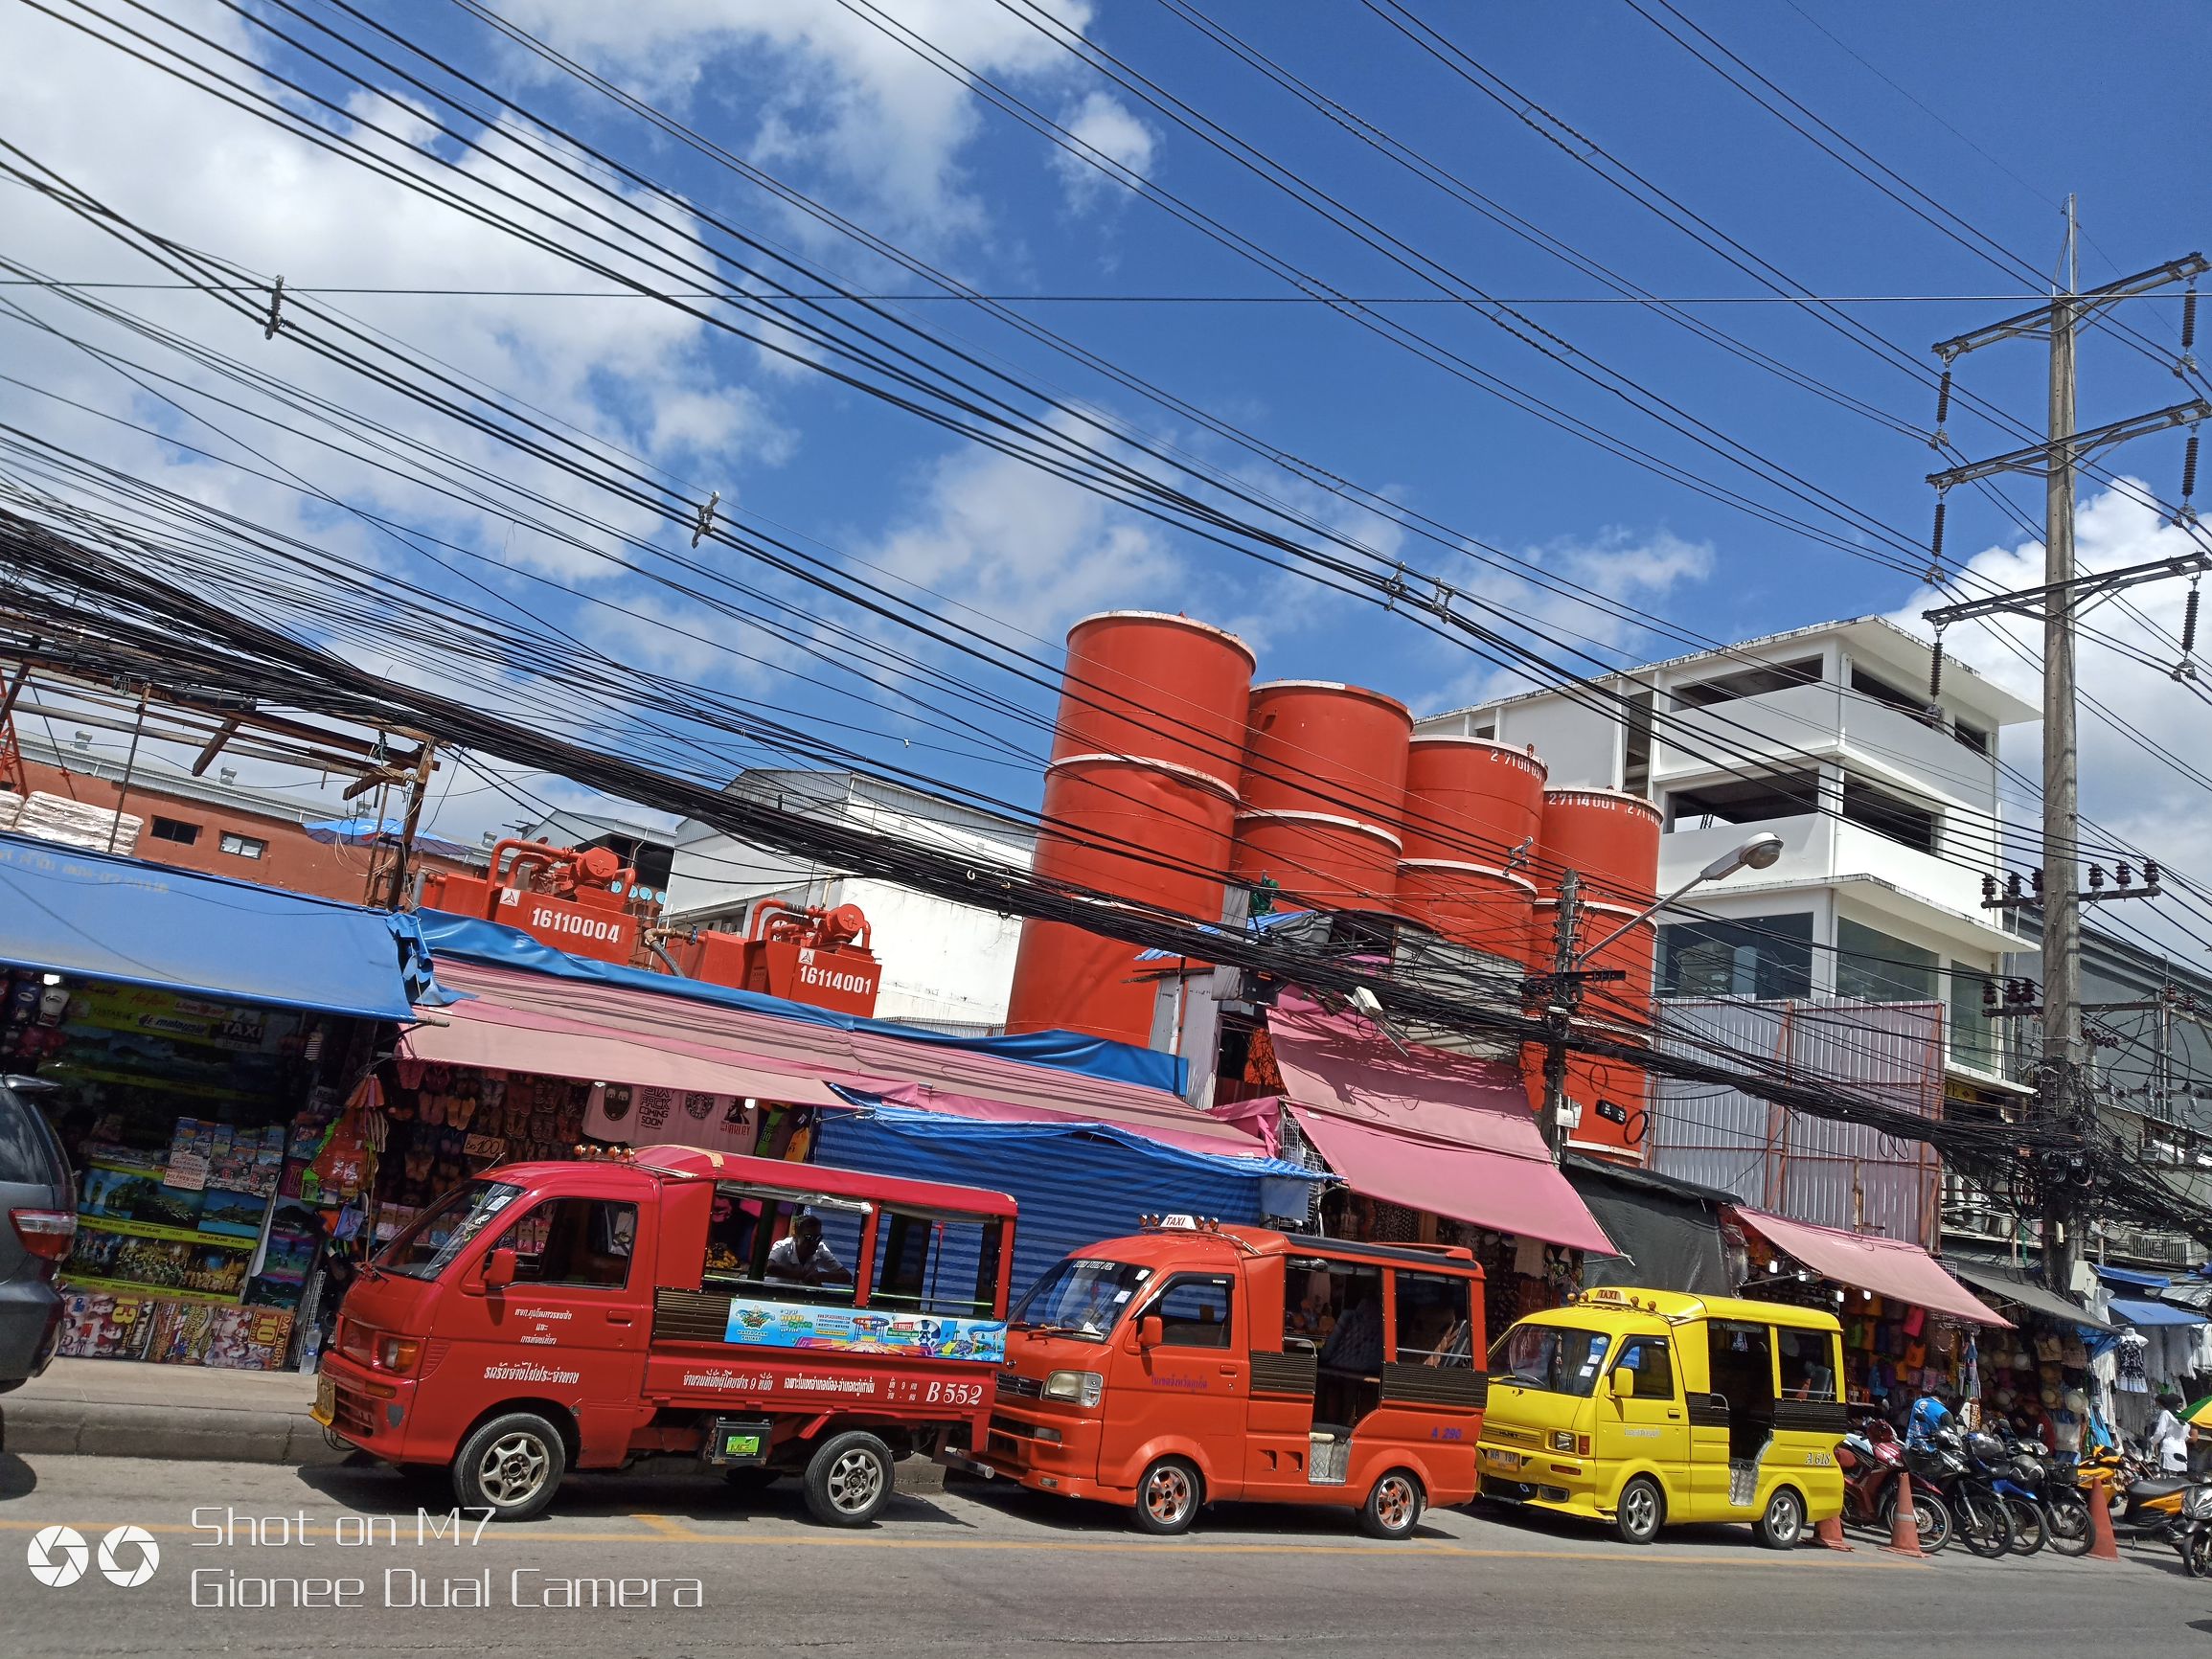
pixel 119 1409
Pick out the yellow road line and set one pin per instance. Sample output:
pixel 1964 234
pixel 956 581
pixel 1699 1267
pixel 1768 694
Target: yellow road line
pixel 668 1529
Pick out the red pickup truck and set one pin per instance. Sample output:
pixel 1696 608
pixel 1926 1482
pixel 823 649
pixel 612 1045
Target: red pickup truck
pixel 766 1317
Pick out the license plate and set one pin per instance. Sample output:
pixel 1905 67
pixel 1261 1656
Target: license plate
pixel 325 1401
pixel 1506 1460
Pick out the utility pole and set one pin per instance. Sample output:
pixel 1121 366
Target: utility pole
pixel 2065 1099
pixel 1566 995
pixel 2062 943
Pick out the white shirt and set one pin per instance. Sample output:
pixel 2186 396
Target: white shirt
pixel 2170 1439
pixel 819 1268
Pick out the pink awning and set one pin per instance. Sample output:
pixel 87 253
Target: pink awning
pixel 1887 1266
pixel 519 1013
pixel 1447 1133
pixel 922 1098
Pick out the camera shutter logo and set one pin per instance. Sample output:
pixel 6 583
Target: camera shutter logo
pixel 128 1557
pixel 57 1556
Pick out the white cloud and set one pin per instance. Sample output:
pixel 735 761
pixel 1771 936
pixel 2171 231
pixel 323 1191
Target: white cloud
pixel 851 98
pixel 1104 123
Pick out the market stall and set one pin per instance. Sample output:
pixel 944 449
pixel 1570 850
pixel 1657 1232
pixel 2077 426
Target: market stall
pixel 204 1038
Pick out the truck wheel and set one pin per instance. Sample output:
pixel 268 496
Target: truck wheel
pixel 1643 1508
pixel 848 1479
pixel 512 1467
pixel 1783 1526
pixel 1393 1507
pixel 1168 1498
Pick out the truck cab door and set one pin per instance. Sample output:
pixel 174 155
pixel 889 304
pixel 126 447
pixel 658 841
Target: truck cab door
pixel 1649 1424
pixel 1191 1386
pixel 574 1324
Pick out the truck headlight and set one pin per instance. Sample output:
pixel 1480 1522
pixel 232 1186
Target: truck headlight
pixel 1082 1387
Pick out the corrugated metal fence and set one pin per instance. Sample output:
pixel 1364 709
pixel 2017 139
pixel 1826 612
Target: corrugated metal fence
pixel 1809 1168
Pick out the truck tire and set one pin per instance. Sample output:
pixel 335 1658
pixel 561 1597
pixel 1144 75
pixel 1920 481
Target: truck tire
pixel 511 1465
pixel 1643 1508
pixel 1781 1526
pixel 848 1479
pixel 1393 1506
pixel 1168 1497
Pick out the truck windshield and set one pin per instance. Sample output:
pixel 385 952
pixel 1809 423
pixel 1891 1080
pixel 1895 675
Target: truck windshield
pixel 1555 1358
pixel 1082 1296
pixel 441 1231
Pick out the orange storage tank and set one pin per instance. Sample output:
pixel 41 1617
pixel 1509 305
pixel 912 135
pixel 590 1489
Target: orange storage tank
pixel 1614 1095
pixel 1470 800
pixel 1609 839
pixel 1320 860
pixel 1615 1099
pixel 1158 687
pixel 1153 833
pixel 1323 746
pixel 1472 904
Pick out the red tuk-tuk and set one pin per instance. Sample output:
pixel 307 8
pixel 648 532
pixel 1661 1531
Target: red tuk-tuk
pixel 769 1318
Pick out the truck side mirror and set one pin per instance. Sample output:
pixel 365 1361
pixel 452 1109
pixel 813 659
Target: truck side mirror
pixel 1152 1331
pixel 1623 1382
pixel 499 1269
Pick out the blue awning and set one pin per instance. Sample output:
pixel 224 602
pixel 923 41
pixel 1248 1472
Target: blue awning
pixel 472 940
pixel 2126 1310
pixel 67 911
pixel 2127 1276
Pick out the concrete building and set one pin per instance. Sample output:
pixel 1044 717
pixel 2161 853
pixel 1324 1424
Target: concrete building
pixel 1889 817
pixel 295 840
pixel 945 965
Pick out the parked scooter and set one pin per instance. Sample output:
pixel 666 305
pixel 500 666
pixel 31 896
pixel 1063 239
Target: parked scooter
pixel 2016 1481
pixel 1979 1517
pixel 2066 1508
pixel 2151 1507
pixel 1872 1457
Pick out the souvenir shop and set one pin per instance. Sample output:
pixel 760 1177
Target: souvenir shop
pixel 203 1038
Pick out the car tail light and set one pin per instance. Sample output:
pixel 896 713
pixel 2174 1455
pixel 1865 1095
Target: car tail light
pixel 47 1234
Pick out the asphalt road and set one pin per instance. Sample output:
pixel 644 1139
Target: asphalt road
pixel 981 1571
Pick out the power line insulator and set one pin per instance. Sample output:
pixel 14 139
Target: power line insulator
pixel 2188 324
pixel 2150 873
pixel 1935 674
pixel 2096 878
pixel 2036 879
pixel 1935 576
pixel 2124 872
pixel 1989 890
pixel 1988 995
pixel 2013 884
pixel 1939 436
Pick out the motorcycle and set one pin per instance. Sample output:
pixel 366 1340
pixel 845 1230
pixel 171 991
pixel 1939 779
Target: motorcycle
pixel 2151 1507
pixel 1872 1457
pixel 1980 1518
pixel 2065 1507
pixel 2016 1481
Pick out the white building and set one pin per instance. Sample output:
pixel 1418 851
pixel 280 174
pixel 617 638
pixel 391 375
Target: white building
pixel 1888 817
pixel 945 965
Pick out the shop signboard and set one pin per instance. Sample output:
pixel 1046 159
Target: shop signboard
pixel 864 1330
pixel 170 1013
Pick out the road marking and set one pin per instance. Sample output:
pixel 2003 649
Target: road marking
pixel 666 1530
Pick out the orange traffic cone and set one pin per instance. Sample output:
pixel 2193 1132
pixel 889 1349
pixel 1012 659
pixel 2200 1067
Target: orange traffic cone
pixel 2103 1546
pixel 1829 1535
pixel 1904 1525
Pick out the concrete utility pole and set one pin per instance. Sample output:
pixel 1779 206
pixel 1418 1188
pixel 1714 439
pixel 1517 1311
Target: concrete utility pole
pixel 2061 942
pixel 1566 995
pixel 2062 1088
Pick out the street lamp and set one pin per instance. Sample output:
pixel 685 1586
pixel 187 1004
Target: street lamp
pixel 1758 852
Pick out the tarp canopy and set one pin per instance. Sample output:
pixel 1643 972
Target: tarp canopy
pixel 521 1021
pixel 1886 1266
pixel 361 832
pixel 87 914
pixel 2129 1278
pixel 2129 1310
pixel 1668 1232
pixel 1436 1131
pixel 2009 1283
pixel 469 939
pixel 1076 1183
pixel 1169 1132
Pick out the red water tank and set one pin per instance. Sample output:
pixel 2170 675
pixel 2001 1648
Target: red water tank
pixel 1321 746
pixel 1156 687
pixel 1471 801
pixel 1319 860
pixel 1472 904
pixel 1143 829
pixel 1614 1095
pixel 1609 839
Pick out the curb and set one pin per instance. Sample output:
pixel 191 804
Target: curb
pixel 215 1434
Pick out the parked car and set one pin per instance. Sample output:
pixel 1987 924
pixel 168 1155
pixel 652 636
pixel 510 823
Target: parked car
pixel 39 1196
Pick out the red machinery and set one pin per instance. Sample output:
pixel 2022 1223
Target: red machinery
pixel 817 955
pixel 576 901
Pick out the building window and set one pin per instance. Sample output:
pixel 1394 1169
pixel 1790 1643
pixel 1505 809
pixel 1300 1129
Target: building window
pixel 1868 685
pixel 175 830
pixel 1745 801
pixel 1749 683
pixel 1873 966
pixel 1889 815
pixel 1766 957
pixel 1489 732
pixel 242 845
pixel 1973 737
pixel 1973 1034
pixel 1637 746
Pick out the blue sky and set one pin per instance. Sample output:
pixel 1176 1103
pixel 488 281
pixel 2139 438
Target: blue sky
pixel 805 89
